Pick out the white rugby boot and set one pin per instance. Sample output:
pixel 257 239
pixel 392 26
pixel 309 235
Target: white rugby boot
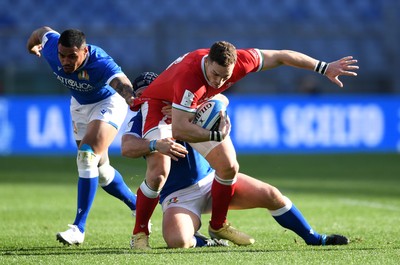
pixel 72 236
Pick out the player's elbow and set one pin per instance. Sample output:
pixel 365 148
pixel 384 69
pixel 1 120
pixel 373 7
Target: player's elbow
pixel 124 151
pixel 178 134
pixel 128 149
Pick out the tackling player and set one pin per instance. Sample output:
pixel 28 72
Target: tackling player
pixel 97 112
pixel 187 194
pixel 186 83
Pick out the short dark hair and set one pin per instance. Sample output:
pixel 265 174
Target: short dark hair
pixel 223 53
pixel 72 38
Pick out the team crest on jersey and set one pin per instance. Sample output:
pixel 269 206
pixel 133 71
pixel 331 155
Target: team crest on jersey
pixel 173 200
pixel 83 75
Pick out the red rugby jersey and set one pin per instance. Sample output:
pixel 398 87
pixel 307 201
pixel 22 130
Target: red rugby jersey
pixel 184 82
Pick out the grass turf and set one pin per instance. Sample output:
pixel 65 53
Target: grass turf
pixel 357 195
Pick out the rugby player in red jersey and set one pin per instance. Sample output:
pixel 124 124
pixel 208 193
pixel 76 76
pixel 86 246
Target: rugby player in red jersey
pixel 186 83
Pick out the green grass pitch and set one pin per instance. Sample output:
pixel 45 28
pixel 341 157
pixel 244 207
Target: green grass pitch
pixel 357 195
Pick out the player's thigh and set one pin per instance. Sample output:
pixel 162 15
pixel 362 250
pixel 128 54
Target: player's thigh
pixel 97 124
pixel 253 193
pixel 99 135
pixel 223 158
pixel 179 226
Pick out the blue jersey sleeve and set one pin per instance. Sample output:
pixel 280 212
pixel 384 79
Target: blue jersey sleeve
pixel 49 47
pixel 135 125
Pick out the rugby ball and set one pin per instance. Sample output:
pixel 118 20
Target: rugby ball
pixel 207 114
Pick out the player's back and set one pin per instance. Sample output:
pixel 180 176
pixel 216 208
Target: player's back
pixel 186 171
pixel 186 66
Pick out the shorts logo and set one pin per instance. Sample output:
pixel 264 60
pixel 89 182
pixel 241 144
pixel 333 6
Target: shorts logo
pixel 103 111
pixel 173 200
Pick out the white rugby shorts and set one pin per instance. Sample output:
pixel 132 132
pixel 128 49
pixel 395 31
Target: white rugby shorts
pixel 195 198
pixel 111 110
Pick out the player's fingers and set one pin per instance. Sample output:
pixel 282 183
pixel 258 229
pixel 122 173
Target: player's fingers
pixel 181 151
pixel 346 58
pixel 336 81
pixel 349 73
pixel 177 147
pixel 352 67
pixel 351 61
pixel 175 154
pixel 173 157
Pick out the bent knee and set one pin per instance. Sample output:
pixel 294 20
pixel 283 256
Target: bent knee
pixel 228 171
pixel 179 242
pixel 87 162
pixel 106 174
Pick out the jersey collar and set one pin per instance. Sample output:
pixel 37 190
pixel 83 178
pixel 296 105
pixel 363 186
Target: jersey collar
pixel 203 68
pixel 85 61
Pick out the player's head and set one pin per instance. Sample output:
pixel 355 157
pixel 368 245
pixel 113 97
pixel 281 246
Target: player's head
pixel 72 49
pixel 143 81
pixel 220 62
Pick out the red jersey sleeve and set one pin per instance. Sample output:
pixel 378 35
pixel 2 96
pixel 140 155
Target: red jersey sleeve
pixel 249 60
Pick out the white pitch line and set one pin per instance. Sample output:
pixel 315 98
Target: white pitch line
pixel 370 204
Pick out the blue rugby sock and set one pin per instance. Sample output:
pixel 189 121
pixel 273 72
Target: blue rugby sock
pixel 120 190
pixel 200 242
pixel 87 188
pixel 291 218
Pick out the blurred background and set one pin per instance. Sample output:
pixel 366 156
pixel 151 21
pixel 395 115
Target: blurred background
pixel 148 35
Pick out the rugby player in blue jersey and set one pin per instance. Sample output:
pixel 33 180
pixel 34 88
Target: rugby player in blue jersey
pixel 100 92
pixel 187 191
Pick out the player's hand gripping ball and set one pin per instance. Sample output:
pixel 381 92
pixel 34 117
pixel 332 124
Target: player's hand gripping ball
pixel 207 114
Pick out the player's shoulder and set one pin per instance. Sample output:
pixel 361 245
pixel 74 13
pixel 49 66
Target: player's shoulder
pixel 50 33
pixel 98 56
pixel 194 60
pixel 251 59
pixel 249 52
pixel 49 40
pixel 200 52
pixel 98 52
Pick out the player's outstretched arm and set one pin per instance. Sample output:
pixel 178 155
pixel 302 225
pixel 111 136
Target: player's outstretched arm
pixel 343 66
pixel 34 44
pixel 124 87
pixel 134 147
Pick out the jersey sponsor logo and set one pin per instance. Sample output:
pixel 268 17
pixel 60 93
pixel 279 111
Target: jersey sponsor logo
pixel 83 75
pixel 187 98
pixel 75 85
